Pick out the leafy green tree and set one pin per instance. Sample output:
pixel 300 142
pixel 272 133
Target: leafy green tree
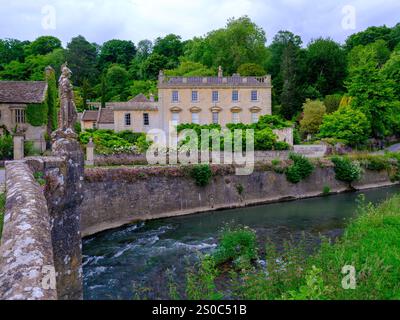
pixel 12 50
pixel 290 97
pixel 103 90
pixel 371 92
pixel 152 66
pixel 326 65
pixel 144 49
pixel 143 86
pixel 241 41
pixel 116 52
pixel 81 56
pixel 391 70
pixel 117 81
pixel 394 37
pixel 171 47
pixel 191 69
pixel 44 45
pixel 251 69
pixel 368 36
pixel 346 124
pixel 332 102
pixel 314 112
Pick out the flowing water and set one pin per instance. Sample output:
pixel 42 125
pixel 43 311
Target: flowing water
pixel 120 262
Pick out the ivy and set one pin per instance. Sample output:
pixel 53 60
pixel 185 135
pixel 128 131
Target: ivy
pixel 36 114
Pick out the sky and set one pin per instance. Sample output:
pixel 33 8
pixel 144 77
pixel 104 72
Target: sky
pixel 102 20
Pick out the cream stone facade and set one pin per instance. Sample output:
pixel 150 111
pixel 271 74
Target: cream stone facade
pixel 220 100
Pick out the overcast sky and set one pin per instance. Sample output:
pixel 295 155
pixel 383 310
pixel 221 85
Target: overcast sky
pixel 102 20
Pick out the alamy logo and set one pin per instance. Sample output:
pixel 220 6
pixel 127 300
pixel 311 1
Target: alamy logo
pixel 349 282
pixel 49 20
pixel 349 20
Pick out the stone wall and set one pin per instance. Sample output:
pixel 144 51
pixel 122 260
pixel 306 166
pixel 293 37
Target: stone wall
pixel 118 196
pixel 26 251
pixel 40 252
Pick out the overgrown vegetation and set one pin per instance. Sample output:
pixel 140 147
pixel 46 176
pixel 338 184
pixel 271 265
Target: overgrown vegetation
pixel 110 142
pixel 202 174
pixel 347 170
pixel 370 244
pixel 6 147
pixel 301 168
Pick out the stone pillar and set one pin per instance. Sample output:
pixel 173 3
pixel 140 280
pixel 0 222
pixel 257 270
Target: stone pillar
pixel 66 196
pixel 18 140
pixel 90 153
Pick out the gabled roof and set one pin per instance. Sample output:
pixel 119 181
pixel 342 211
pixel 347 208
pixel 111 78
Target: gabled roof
pixel 140 98
pixel 22 91
pixel 106 116
pixel 90 115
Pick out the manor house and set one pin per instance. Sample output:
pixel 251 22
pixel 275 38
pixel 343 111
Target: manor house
pixel 201 100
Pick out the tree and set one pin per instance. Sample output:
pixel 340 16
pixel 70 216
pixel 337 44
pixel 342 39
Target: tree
pixel 143 86
pixel 171 47
pixel 314 112
pixel 144 49
pixel 326 66
pixel 103 88
pixel 116 51
pixel 44 45
pixel 241 41
pixel 85 93
pixel 368 36
pixel 348 124
pixel 391 70
pixel 371 92
pixel 290 98
pixel 251 69
pixel 117 81
pixel 12 50
pixel 81 56
pixel 332 102
pixel 152 66
pixel 190 69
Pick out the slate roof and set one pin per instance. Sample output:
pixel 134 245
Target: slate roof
pixel 22 91
pixel 140 98
pixel 90 115
pixel 106 116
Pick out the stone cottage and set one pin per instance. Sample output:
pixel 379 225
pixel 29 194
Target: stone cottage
pixel 15 97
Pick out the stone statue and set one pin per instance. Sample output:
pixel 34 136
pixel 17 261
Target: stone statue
pixel 68 114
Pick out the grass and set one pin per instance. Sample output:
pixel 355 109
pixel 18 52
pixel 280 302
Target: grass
pixel 2 210
pixel 370 245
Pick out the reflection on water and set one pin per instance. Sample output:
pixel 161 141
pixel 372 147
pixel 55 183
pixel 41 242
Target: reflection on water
pixel 118 261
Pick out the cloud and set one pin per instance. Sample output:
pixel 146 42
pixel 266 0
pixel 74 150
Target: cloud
pixel 101 20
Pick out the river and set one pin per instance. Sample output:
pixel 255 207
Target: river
pixel 118 263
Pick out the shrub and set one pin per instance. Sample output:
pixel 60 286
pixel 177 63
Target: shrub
pixel 332 102
pixel 237 245
pixel 346 170
pixel 314 112
pixel 6 147
pixel 377 163
pixel 327 190
pixel 202 174
pixel 30 150
pixel 239 189
pixel 346 124
pixel 300 170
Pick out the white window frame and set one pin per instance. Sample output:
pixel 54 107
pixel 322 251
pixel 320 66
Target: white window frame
pixel 175 118
pixel 235 117
pixel 235 93
pixel 215 117
pixel 175 96
pixel 195 94
pixel 195 118
pixel 252 97
pixel 255 117
pixel 215 94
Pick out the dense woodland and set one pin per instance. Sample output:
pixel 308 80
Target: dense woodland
pixel 349 91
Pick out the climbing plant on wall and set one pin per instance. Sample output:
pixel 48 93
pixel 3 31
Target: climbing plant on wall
pixel 36 114
pixel 51 98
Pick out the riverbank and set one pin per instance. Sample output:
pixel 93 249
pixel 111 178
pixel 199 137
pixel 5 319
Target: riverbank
pixel 364 264
pixel 118 196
